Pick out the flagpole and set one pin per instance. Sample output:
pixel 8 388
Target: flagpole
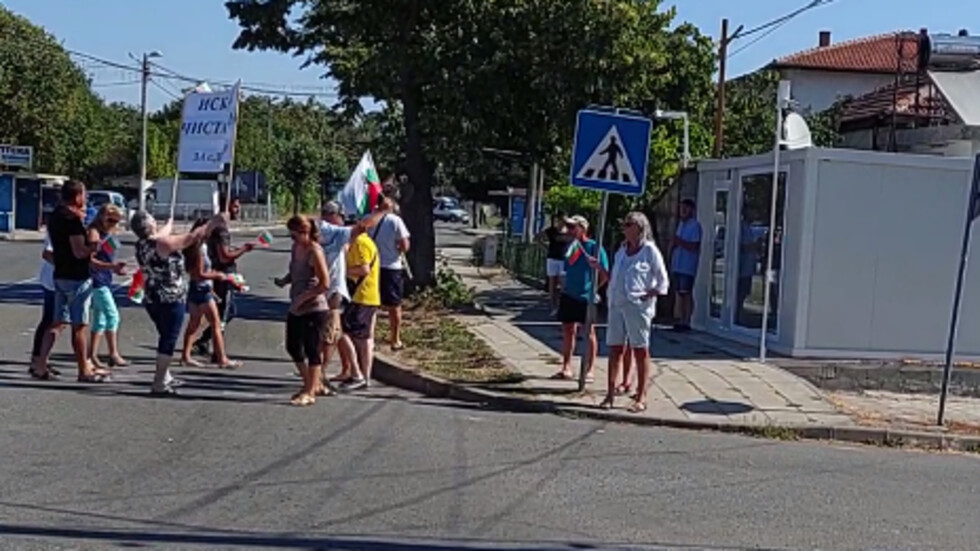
pixel 234 138
pixel 971 214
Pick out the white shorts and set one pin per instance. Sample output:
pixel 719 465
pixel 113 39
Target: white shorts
pixel 555 268
pixel 629 326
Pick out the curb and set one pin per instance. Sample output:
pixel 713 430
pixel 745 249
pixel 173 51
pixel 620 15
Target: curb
pixel 391 373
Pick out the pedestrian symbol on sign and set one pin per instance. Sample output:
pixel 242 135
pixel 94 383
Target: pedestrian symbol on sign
pixel 609 162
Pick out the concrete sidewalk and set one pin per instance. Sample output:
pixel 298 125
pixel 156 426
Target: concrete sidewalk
pixel 692 382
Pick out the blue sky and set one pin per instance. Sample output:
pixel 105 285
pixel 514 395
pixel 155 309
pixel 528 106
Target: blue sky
pixel 195 36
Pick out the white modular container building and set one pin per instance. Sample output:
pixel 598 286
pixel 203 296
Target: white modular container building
pixel 866 251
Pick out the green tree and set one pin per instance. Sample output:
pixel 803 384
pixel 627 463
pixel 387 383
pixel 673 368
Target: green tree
pixel 502 73
pixel 303 164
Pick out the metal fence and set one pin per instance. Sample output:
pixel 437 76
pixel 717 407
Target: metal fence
pixel 525 260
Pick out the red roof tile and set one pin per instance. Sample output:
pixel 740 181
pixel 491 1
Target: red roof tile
pixel 881 102
pixel 872 54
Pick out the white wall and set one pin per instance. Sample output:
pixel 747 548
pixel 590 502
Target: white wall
pixel 819 90
pixel 886 238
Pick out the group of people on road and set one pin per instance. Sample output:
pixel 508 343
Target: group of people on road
pixel 577 268
pixel 77 268
pixel 339 275
pixel 180 272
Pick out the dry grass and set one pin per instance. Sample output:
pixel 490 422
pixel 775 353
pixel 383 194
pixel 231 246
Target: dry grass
pixel 438 344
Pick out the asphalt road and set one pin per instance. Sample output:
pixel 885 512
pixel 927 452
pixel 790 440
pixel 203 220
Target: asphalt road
pixel 232 466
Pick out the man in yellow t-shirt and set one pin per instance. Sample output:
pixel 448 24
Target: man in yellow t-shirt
pixel 363 274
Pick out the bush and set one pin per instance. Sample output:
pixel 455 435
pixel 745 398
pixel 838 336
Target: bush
pixel 449 291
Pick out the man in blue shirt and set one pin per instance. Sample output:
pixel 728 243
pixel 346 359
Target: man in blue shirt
pixel 579 290
pixel 685 256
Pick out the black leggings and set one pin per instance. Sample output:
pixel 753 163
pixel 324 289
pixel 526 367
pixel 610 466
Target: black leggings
pixel 304 337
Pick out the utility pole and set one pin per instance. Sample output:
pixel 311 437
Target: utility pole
pixel 145 70
pixel 720 104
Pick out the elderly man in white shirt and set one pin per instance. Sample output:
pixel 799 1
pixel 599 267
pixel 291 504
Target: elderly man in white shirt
pixel 638 277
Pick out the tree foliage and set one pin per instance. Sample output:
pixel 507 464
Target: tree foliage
pixel 465 75
pixel 750 117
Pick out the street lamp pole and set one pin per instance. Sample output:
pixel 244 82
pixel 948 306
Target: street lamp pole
pixel 145 70
pixel 682 115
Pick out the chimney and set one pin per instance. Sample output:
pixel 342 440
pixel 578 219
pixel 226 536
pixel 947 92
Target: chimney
pixel 824 39
pixel 963 32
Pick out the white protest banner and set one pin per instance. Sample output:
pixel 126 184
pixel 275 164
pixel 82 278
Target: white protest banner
pixel 207 131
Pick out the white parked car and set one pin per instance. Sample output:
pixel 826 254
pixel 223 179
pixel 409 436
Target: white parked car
pixel 447 209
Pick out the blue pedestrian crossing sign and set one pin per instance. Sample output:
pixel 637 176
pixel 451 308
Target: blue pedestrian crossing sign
pixel 611 152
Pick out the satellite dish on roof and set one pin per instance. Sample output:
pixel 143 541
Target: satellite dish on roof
pixel 796 133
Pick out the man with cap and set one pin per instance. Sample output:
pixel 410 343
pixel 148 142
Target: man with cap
pixel 335 238
pixel 685 255
pixel 578 292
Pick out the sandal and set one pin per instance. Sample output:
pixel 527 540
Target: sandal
pixel 606 404
pixel 230 364
pixel 303 400
pixel 397 346
pixel 623 389
pixel 118 362
pixel 637 407
pixel 561 376
pixel 48 375
pixel 95 378
pixel 190 362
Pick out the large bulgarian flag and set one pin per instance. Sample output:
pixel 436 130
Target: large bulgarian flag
pixel 362 193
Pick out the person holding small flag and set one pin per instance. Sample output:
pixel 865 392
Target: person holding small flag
pixel 578 291
pixel 163 273
pixel 105 313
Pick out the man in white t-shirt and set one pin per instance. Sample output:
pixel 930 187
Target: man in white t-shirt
pixel 335 237
pixel 392 239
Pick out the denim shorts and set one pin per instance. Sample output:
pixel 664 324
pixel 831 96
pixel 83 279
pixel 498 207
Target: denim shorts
pixel 199 293
pixel 72 301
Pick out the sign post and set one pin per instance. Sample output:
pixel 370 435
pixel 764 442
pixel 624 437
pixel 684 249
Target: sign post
pixel 610 155
pixel 972 211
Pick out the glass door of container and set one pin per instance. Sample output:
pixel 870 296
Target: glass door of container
pixel 754 206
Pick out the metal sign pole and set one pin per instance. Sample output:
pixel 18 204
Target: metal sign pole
pixel 782 96
pixel 971 214
pixel 591 311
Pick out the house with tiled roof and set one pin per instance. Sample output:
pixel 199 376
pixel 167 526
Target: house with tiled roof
pixel 829 72
pixel 904 91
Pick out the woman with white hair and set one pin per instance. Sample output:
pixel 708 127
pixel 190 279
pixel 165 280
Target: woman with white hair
pixel 159 253
pixel 638 277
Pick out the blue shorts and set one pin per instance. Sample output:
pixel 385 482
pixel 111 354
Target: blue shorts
pixel 72 301
pixel 683 283
pixel 199 293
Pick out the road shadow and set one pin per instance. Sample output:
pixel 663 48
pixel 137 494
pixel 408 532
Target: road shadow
pixel 268 540
pixel 714 407
pixel 260 308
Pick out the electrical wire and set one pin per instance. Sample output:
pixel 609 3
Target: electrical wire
pixel 772 26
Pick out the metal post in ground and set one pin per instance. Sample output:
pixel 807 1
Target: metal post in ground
pixel 592 310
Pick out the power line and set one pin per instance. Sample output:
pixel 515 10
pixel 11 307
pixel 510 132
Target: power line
pixel 164 90
pixel 772 26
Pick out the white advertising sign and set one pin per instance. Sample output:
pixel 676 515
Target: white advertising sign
pixel 16 155
pixel 207 131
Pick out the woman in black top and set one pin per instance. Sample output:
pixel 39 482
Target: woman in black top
pixel 557 239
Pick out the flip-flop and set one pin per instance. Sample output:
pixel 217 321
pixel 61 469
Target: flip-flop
pixel 95 378
pixel 561 376
pixel 190 363
pixel 232 364
pixel 303 400
pixel 637 407
pixel 606 404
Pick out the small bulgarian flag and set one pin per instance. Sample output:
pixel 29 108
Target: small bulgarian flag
pixel 110 245
pixel 238 280
pixel 574 252
pixel 136 287
pixel 362 193
pixel 264 239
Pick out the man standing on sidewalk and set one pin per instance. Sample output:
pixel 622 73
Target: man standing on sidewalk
pixel 224 259
pixel 577 293
pixel 392 239
pixel 685 255
pixel 358 319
